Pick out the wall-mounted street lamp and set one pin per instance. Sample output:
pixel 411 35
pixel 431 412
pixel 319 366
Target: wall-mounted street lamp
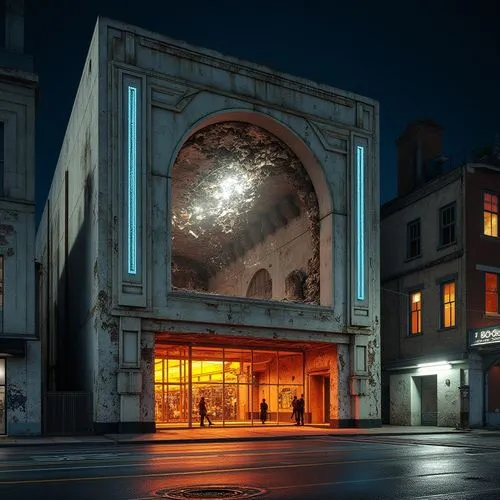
pixel 432 368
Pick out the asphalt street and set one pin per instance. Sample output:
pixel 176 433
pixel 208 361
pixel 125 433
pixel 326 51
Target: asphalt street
pixel 364 467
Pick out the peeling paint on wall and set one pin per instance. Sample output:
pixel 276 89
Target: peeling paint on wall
pixel 16 399
pixel 6 230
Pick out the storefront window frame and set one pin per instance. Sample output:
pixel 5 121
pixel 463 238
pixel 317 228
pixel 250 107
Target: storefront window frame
pixel 253 406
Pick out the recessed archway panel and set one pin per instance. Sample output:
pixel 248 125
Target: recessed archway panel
pixel 242 200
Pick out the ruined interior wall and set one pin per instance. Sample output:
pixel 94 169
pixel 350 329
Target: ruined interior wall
pixel 288 249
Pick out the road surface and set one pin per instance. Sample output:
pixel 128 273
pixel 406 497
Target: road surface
pixel 386 467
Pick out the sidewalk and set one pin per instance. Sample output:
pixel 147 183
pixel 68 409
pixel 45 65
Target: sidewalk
pixel 228 434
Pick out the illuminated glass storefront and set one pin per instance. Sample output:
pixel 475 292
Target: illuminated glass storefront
pixel 233 382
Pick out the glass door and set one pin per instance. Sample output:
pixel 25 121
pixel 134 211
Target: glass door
pixel 172 385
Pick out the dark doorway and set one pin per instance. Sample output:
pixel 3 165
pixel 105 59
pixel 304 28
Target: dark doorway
pixel 429 400
pixel 327 400
pixel 319 401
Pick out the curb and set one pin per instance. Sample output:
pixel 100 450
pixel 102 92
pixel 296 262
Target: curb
pixel 241 439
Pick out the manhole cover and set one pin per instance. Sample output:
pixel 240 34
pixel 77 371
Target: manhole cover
pixel 212 492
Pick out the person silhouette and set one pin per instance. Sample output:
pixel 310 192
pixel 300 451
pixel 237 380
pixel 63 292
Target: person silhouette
pixel 202 406
pixel 263 411
pixel 300 410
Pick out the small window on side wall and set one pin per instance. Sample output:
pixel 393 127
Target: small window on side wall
pixel 490 214
pixel 491 293
pixel 447 221
pixel 415 312
pixel 448 303
pixel 413 239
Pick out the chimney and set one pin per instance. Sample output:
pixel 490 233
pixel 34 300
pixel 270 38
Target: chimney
pixel 14 25
pixel 418 146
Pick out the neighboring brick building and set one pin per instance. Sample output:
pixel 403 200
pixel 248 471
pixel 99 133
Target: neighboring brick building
pixel 440 273
pixel 212 228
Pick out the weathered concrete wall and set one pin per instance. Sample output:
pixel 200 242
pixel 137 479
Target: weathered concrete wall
pixel 147 403
pixel 23 395
pixel 67 247
pixel 17 203
pixel 401 398
pixel 345 403
pixel 17 112
pixel 448 396
pixel 281 253
pixel 17 237
pixel 406 398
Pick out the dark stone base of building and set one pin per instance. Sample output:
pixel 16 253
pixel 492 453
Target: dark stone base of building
pixel 351 423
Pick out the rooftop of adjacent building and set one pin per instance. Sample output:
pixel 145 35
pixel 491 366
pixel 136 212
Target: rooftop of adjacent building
pixel 423 168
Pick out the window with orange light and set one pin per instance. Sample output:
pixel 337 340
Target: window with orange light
pixel 415 313
pixel 491 293
pixel 448 302
pixel 490 211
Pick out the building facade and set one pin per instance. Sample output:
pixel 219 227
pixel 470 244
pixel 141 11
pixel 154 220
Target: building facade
pixel 20 362
pixel 212 229
pixel 439 290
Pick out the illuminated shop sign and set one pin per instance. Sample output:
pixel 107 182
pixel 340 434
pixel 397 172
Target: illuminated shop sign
pixel 484 336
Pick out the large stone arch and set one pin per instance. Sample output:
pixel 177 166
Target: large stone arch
pixel 306 156
pixel 281 131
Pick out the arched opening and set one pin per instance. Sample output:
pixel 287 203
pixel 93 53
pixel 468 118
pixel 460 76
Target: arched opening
pixel 261 285
pixel 242 201
pixel 295 284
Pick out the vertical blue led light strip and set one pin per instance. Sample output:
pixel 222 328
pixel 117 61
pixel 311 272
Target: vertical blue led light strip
pixel 360 221
pixel 132 180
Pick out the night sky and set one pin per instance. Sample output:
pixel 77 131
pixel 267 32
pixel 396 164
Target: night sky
pixel 421 59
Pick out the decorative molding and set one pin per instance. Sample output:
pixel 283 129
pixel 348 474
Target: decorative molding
pixel 364 116
pixel 170 95
pixel 332 138
pixel 229 64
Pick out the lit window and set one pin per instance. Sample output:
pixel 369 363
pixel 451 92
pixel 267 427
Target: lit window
pixel 415 313
pixel 491 293
pixel 448 304
pixel 413 239
pixel 490 212
pixel 447 225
